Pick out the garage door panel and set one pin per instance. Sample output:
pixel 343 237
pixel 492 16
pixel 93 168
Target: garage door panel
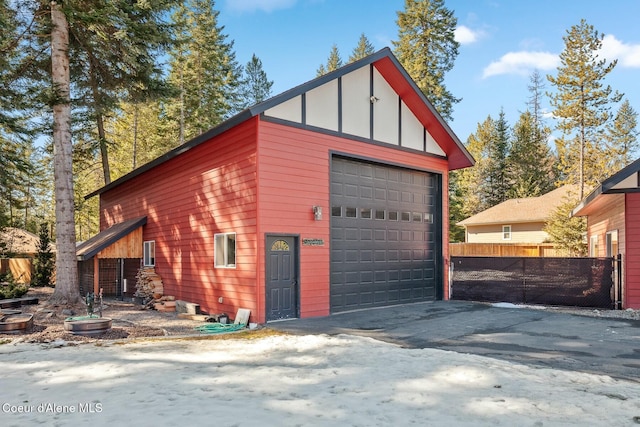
pixel 381 235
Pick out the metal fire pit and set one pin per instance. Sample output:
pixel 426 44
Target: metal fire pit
pixel 15 323
pixel 87 326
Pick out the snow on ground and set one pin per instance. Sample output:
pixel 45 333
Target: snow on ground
pixel 296 381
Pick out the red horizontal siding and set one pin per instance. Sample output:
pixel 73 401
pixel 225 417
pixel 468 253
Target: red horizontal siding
pixel 632 256
pixel 293 176
pixel 208 189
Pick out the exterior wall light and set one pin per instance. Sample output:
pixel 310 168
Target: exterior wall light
pixel 317 213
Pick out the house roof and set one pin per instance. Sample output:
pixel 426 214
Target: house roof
pixel 21 241
pixel 393 72
pixel 89 248
pixel 626 180
pixel 529 209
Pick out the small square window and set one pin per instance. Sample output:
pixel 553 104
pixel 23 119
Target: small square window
pixel 365 213
pixel 417 217
pixel 351 212
pixel 428 218
pixel 405 216
pixel 149 253
pixel 336 211
pixel 225 250
pixel 380 214
pixel 506 232
pixel 393 215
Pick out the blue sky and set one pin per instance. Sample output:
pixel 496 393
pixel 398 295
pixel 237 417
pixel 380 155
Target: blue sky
pixel 502 42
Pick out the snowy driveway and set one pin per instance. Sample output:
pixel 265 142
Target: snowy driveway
pixel 540 337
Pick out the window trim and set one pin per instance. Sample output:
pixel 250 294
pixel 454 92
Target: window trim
pixel 593 246
pixel 147 247
pixel 226 254
pixel 507 232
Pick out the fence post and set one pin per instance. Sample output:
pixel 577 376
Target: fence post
pixel 524 280
pixel 618 268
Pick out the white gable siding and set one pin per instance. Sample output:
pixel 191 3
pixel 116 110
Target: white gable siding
pixel 290 110
pixel 433 147
pixel 321 104
pixel 355 103
pixel 629 182
pixel 412 130
pixel 383 116
pixel 385 111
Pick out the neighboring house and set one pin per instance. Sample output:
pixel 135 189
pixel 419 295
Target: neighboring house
pixel 515 220
pixel 329 197
pixel 613 226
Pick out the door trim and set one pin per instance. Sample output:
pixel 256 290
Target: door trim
pixel 296 254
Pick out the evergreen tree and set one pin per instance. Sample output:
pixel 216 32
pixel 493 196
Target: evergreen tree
pixel 622 137
pixel 531 164
pixel 566 231
pixel 496 172
pixel 362 50
pixel 255 86
pixel 333 62
pixel 581 105
pixel 44 264
pixel 472 182
pixel 203 69
pixel 427 49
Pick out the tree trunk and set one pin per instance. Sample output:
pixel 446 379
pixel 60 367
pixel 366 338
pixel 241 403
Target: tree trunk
pixel 67 290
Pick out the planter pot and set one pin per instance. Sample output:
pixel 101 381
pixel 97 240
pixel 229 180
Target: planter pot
pixel 15 323
pixel 88 326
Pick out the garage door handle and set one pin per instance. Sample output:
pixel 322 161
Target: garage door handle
pixel 294 282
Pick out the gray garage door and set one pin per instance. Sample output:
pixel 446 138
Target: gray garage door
pixel 384 239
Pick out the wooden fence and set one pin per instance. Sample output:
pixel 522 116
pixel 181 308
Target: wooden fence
pixel 20 268
pixel 506 250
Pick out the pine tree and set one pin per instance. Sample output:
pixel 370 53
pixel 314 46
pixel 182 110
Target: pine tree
pixel 531 164
pixel 427 49
pixel 44 264
pixel 255 86
pixel 622 137
pixel 472 182
pixel 581 105
pixel 363 49
pixel 496 172
pixel 333 62
pixel 203 69
pixel 566 231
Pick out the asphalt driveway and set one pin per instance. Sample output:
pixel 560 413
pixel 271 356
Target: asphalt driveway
pixel 548 338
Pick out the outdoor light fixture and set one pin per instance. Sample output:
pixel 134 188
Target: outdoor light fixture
pixel 317 213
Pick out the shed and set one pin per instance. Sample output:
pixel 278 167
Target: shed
pixel 110 259
pixel 613 227
pixel 331 196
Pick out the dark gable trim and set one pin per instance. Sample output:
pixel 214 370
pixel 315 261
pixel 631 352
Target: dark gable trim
pixel 346 136
pixel 259 109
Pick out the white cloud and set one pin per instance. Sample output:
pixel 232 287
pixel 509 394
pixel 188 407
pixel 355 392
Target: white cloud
pixel 465 35
pixel 254 5
pixel 628 55
pixel 521 63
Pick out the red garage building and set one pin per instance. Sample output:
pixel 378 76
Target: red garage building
pixel 329 197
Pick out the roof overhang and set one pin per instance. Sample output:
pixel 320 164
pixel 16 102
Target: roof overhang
pixel 91 247
pixel 627 180
pixel 393 72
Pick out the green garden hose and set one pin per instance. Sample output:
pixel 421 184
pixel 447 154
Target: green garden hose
pixel 219 328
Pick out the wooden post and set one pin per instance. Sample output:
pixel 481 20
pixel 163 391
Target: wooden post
pixel 96 274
